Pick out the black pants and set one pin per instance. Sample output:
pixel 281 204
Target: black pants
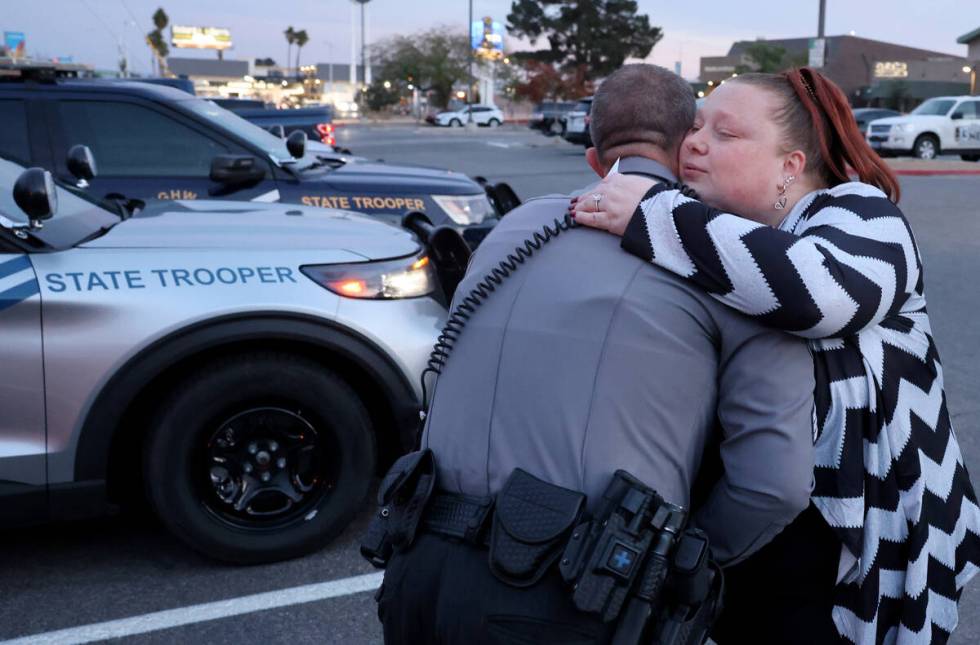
pixel 442 592
pixel 784 592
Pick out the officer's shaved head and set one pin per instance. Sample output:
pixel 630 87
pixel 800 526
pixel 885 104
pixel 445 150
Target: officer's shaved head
pixel 641 104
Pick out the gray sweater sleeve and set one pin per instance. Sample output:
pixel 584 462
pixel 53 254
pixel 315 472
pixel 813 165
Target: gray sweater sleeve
pixel 765 407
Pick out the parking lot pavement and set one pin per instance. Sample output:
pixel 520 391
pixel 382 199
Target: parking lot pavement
pixel 71 575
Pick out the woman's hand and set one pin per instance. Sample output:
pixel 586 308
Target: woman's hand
pixel 618 196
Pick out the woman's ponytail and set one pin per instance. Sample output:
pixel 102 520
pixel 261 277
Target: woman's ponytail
pixel 842 144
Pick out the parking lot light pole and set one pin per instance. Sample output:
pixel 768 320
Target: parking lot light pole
pixel 469 89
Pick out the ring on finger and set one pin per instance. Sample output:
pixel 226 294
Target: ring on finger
pixel 597 197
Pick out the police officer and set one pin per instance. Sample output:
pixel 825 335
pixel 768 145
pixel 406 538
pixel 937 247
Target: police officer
pixel 567 375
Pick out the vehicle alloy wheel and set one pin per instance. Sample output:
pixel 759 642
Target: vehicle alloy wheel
pixel 926 147
pixel 455 123
pixel 493 123
pixel 259 457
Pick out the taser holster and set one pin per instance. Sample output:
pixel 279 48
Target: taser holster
pixel 402 497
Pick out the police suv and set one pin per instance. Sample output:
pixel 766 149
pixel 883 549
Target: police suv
pixel 153 141
pixel 247 366
pixel 941 125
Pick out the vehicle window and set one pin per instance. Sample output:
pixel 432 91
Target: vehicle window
pixel 934 107
pixel 968 109
pixel 13 131
pixel 135 141
pixel 481 109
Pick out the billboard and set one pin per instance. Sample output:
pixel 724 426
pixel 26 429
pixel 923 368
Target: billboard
pixel 487 38
pixel 15 43
pixel 200 37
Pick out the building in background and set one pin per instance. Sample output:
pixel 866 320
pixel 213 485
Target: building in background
pixel 871 72
pixel 972 66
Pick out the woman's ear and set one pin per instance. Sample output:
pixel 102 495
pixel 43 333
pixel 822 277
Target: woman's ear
pixel 795 164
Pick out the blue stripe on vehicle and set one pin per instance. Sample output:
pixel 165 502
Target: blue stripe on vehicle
pixel 11 267
pixel 17 294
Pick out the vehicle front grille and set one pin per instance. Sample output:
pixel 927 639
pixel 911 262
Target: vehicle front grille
pixel 880 129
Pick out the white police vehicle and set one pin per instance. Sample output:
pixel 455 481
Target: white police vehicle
pixel 248 366
pixel 941 125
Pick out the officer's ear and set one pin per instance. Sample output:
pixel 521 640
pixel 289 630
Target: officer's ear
pixel 592 157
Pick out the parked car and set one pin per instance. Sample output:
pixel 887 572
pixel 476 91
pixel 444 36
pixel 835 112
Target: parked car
pixel 941 125
pixel 158 142
pixel 548 116
pixel 488 115
pixel 864 116
pixel 250 366
pixel 576 128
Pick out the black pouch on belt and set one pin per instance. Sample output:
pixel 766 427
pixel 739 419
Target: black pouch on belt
pixel 402 497
pixel 531 523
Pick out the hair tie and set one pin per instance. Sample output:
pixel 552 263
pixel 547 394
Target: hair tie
pixel 807 86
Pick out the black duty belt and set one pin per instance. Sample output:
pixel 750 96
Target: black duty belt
pixel 464 517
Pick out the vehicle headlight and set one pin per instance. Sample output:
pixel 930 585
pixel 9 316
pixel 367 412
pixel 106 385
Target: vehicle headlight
pixel 465 209
pixel 903 127
pixel 411 277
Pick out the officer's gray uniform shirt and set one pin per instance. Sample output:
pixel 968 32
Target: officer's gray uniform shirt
pixel 587 360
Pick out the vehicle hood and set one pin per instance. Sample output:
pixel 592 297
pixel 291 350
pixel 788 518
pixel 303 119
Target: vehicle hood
pixel 247 225
pixel 907 118
pixel 376 178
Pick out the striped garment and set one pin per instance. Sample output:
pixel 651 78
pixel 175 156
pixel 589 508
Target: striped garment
pixel 843 271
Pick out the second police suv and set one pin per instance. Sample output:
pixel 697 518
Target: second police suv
pixel 158 142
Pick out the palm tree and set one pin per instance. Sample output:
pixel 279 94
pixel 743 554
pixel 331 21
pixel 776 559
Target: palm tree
pixel 301 38
pixel 290 34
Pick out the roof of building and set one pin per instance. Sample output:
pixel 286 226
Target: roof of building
pixel 966 38
pixel 802 45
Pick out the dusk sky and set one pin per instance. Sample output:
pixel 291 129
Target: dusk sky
pixel 89 30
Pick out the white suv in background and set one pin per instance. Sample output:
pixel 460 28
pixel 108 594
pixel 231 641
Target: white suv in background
pixel 941 125
pixel 489 115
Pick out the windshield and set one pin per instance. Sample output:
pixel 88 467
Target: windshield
pixel 227 120
pixel 934 107
pixel 69 203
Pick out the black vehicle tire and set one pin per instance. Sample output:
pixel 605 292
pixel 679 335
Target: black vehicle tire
pixel 264 398
pixel 455 123
pixel 926 147
pixel 970 157
pixel 493 123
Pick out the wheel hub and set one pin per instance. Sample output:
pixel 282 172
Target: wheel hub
pixel 264 464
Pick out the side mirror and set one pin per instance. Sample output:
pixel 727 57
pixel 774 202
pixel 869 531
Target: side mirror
pixel 296 143
pixel 956 116
pixel 81 164
pixel 36 195
pixel 236 169
pixel 277 130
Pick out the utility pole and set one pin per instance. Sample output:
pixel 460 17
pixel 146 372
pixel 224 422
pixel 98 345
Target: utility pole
pixel 820 20
pixel 353 50
pixel 363 43
pixel 469 88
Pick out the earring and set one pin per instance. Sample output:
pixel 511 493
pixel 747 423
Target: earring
pixel 781 200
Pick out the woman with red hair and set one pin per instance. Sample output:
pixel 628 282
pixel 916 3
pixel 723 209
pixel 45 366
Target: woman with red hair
pixel 781 233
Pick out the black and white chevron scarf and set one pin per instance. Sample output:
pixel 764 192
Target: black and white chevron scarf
pixel 844 272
